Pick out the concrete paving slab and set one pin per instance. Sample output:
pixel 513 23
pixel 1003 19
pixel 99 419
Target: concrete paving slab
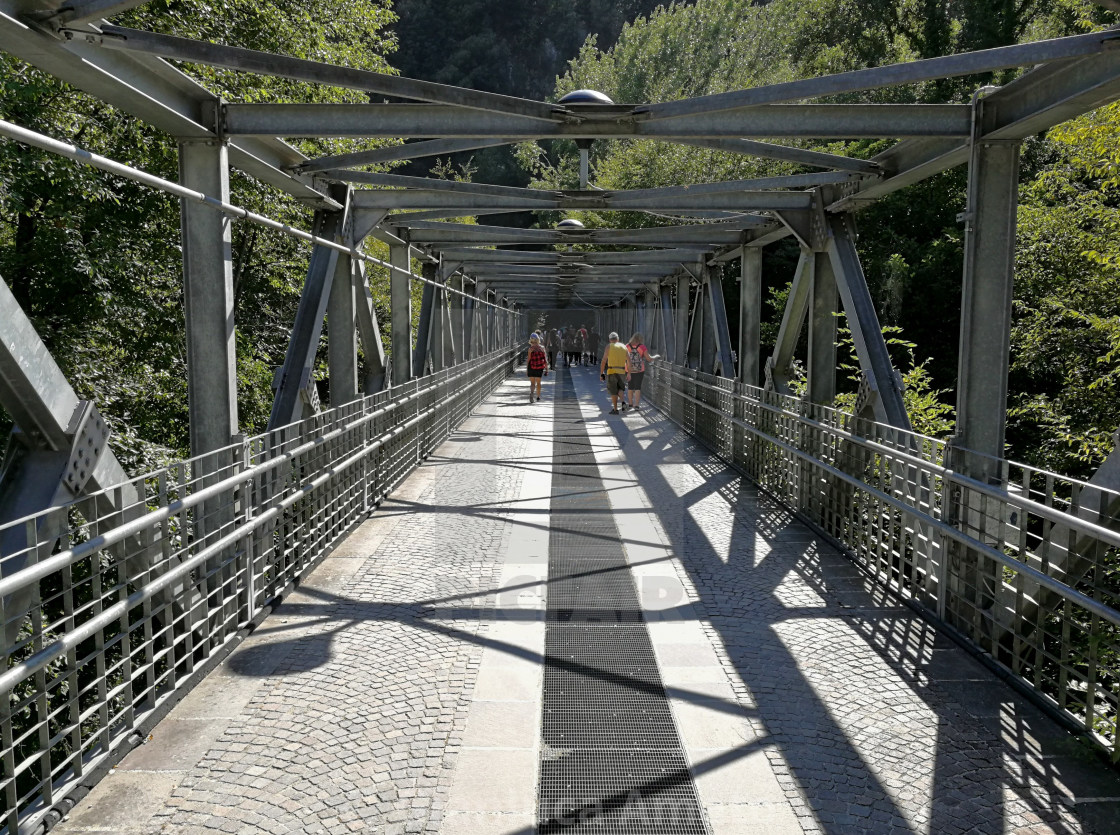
pixel 123 801
pixel 503 724
pixel 753 819
pixel 175 745
pixel 486 823
pixel 495 781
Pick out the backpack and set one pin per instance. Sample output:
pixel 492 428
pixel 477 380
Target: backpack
pixel 538 360
pixel 637 363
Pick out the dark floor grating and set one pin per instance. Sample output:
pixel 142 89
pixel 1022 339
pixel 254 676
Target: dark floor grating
pixel 612 762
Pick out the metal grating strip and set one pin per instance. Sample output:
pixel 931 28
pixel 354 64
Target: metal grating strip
pixel 612 761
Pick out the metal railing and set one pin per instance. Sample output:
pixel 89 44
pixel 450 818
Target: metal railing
pixel 1026 570
pixel 112 615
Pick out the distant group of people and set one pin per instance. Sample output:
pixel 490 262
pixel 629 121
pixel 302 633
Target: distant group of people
pixel 577 346
pixel 622 368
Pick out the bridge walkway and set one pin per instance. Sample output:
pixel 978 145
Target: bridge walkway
pixel 399 688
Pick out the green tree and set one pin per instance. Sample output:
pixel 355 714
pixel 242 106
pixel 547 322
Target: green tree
pixel 95 260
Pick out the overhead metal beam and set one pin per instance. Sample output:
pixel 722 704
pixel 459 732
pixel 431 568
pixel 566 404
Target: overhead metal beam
pixel 471 256
pixel 394 153
pixel 156 93
pixel 1032 103
pixel 741 201
pixel 315 72
pixel 74 12
pixel 801 156
pixel 706 235
pixel 911 72
pixel 825 121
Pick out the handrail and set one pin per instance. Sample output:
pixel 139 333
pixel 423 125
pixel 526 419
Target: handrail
pixel 1046 511
pixel 1106 612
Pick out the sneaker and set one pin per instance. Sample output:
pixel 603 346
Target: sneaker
pixel 624 407
pixel 614 411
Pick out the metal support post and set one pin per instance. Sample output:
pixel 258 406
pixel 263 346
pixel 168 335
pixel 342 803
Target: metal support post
pixel 296 395
pixel 424 343
pixel 208 298
pixel 696 330
pixel 989 272
pixel 681 333
pixel 723 364
pixel 342 334
pixel 779 368
pixel 707 325
pixel 668 347
pixel 823 305
pixel 750 315
pixel 370 332
pixel 867 335
pixel 400 301
pixel 457 332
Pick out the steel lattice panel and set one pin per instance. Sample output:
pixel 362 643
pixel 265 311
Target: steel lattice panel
pixel 613 762
pixel 618 793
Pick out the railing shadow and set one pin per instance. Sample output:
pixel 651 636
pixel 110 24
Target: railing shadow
pixel 927 754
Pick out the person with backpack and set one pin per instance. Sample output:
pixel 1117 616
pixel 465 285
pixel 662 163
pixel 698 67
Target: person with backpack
pixel 615 368
pixel 637 355
pixel 536 365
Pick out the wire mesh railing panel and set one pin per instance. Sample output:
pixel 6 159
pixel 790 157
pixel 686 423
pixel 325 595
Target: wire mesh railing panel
pixel 1026 569
pixel 116 600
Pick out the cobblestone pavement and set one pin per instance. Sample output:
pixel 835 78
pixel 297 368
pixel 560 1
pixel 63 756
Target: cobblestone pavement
pixel 873 722
pixel 359 717
pixel 349 709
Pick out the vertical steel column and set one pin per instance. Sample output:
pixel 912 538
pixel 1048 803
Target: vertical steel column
pixel 823 305
pixel 720 331
pixel 296 396
pixel 208 298
pixel 438 330
pixel 640 319
pixel 707 324
pixel 680 337
pixel 400 302
pixel 750 315
pixel 989 273
pixel 489 331
pixel 668 333
pixel 780 365
pixel 342 334
pixel 428 301
pixel 696 330
pixel 457 333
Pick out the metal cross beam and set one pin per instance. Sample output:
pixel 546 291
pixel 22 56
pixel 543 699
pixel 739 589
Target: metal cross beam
pixel 155 93
pixel 825 121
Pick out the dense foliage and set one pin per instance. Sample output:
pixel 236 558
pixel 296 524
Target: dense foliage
pixel 85 252
pixel 95 260
pixel 1065 355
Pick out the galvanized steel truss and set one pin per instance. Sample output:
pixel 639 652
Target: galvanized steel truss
pixel 478 278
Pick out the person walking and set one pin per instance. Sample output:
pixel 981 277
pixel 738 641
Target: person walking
pixel 614 369
pixel 536 366
pixel 569 346
pixel 638 356
pixel 593 347
pixel 552 345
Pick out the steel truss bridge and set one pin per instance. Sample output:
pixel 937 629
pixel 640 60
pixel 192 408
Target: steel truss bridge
pixel 115 588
